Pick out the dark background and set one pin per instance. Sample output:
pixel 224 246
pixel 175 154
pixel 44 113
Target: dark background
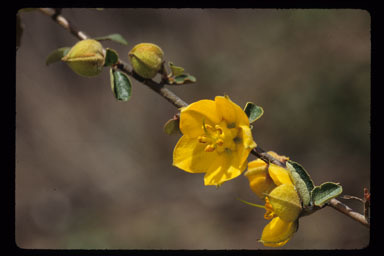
pixel 92 172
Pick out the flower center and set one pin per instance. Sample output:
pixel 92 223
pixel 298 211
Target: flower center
pixel 222 138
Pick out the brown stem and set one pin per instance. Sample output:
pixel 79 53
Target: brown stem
pixel 260 153
pixel 336 204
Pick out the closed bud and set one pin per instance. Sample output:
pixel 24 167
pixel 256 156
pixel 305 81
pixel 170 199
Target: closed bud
pixel 86 58
pixel 146 59
pixel 285 202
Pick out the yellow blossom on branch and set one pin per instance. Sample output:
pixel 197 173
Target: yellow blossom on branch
pixel 273 184
pixel 216 140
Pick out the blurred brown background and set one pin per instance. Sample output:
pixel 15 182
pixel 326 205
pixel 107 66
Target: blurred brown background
pixel 92 172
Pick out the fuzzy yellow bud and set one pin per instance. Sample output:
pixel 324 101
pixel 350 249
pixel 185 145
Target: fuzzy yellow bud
pixel 146 59
pixel 285 202
pixel 86 58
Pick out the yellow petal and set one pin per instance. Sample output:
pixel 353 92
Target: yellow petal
pixel 245 146
pixel 259 180
pixel 285 202
pixel 223 168
pixel 279 175
pixel 231 112
pixel 277 232
pixel 256 165
pixel 193 116
pixel 189 155
pixel 246 137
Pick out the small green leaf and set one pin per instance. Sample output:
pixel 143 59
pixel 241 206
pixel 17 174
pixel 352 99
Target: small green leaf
pixel 56 55
pixel 325 192
pixel 113 37
pixel 176 71
pixel 301 188
pixel 172 126
pixel 303 174
pixel 120 85
pixel 111 57
pixel 253 112
pixel 182 79
pixel 302 181
pixel 178 77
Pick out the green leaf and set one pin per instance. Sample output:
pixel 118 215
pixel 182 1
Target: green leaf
pixel 302 181
pixel 111 57
pixel 121 85
pixel 301 188
pixel 253 112
pixel 178 77
pixel 56 55
pixel 176 71
pixel 182 79
pixel 113 37
pixel 325 192
pixel 172 126
pixel 303 174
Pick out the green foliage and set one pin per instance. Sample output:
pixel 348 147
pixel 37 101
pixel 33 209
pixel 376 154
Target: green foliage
pixel 178 76
pixel 303 174
pixel 302 182
pixel 117 38
pixel 182 79
pixel 253 112
pixel 121 85
pixel 176 71
pixel 111 57
pixel 325 192
pixel 172 126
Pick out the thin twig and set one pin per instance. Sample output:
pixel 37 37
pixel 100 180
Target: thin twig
pixel 260 153
pixel 348 197
pixel 336 204
pixel 178 102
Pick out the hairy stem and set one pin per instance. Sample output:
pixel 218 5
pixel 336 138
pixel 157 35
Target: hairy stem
pixel 179 103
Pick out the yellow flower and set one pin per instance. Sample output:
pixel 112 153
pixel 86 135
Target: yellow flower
pixel 282 203
pixel 216 140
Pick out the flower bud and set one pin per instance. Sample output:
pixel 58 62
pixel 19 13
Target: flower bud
pixel 86 58
pixel 146 59
pixel 259 179
pixel 285 202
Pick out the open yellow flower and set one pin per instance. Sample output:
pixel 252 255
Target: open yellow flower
pixel 282 203
pixel 216 140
